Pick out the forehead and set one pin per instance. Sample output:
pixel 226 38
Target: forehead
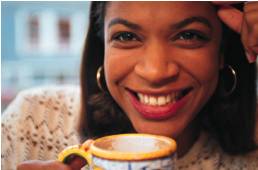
pixel 160 11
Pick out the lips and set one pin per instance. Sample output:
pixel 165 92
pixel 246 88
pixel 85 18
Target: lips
pixel 159 106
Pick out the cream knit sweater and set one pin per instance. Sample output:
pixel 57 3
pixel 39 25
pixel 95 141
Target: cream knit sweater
pixel 41 122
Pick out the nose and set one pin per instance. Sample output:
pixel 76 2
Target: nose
pixel 157 66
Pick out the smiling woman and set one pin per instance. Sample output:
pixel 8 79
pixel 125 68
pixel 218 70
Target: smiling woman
pixel 164 73
pixel 161 69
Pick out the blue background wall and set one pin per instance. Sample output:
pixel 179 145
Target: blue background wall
pixel 22 69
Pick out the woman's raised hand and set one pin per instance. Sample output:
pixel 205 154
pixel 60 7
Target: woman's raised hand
pixel 245 23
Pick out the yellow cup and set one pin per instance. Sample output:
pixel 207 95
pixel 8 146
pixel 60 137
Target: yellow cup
pixel 126 152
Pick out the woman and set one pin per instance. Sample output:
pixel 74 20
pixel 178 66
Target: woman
pixel 165 73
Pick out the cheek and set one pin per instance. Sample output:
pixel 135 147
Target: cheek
pixel 209 68
pixel 202 64
pixel 206 62
pixel 117 66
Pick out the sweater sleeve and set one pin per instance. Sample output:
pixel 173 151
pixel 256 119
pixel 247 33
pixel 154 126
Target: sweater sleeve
pixel 38 124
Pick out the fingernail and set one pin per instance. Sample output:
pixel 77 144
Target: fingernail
pixel 250 58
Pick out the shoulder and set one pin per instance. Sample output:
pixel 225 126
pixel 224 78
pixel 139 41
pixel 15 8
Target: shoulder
pixel 248 161
pixel 36 100
pixel 64 93
pixel 244 161
pixel 42 118
pixel 49 104
pixel 207 154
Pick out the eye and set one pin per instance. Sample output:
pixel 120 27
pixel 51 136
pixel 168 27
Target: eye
pixel 191 39
pixel 125 36
pixel 192 35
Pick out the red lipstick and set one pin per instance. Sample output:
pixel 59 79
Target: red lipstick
pixel 157 112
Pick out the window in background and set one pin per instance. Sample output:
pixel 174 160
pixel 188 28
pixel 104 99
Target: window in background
pixel 64 32
pixel 41 44
pixel 33 31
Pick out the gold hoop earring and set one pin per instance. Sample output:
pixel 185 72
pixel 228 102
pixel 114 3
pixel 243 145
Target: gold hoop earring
pixel 233 73
pixel 98 78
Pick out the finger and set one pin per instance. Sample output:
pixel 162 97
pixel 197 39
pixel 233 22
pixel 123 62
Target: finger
pixel 250 31
pixel 231 17
pixel 251 57
pixel 77 163
pixel 252 23
pixel 251 6
pixel 252 44
pixel 30 165
pixel 245 37
pixel 55 165
pixel 42 165
pixel 251 18
pixel 226 2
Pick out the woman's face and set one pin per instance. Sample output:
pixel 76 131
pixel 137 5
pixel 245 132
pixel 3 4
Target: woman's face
pixel 161 61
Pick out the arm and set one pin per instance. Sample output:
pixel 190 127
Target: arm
pixel 10 121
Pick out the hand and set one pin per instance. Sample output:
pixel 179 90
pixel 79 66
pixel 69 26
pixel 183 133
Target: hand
pixel 76 164
pixel 245 23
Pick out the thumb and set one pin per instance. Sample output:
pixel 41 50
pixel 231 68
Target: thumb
pixel 231 17
pixel 76 162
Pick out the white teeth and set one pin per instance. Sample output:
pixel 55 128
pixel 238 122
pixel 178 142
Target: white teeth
pixel 168 98
pixel 146 99
pixel 157 100
pixel 141 97
pixel 161 100
pixel 152 101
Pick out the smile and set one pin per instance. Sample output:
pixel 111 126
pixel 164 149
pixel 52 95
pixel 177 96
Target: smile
pixel 162 100
pixel 159 106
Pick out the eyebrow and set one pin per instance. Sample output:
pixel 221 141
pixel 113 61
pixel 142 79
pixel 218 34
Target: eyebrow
pixel 175 26
pixel 190 20
pixel 124 22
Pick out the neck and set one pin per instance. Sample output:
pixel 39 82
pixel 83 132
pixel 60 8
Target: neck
pixel 187 138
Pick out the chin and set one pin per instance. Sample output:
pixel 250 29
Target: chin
pixel 170 128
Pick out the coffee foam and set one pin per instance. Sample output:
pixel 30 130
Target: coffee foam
pixel 132 144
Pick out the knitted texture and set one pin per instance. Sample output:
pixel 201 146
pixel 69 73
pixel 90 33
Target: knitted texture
pixel 41 122
pixel 206 154
pixel 38 124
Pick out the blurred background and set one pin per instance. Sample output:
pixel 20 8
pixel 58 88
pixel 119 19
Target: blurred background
pixel 41 43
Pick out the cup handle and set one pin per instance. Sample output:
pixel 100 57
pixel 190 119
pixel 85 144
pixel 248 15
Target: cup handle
pixel 81 150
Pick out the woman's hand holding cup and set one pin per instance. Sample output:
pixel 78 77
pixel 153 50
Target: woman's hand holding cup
pixel 75 164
